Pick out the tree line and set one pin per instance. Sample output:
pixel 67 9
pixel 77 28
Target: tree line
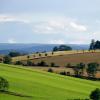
pixel 94 45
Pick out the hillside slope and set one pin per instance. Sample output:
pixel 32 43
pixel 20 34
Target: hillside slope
pixel 71 58
pixel 42 85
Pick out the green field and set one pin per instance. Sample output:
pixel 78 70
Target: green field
pixel 43 85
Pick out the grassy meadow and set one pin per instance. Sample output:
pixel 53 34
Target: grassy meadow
pixel 40 85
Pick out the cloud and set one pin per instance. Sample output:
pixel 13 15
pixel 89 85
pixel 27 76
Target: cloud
pixel 9 18
pixel 11 41
pixel 78 27
pixel 49 27
pixel 57 42
pixel 58 26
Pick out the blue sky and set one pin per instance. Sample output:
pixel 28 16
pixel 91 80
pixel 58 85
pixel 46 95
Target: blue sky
pixel 49 21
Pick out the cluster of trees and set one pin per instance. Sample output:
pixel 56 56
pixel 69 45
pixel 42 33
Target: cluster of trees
pixel 14 54
pixel 91 69
pixel 62 48
pixel 94 45
pixel 81 69
pixel 7 58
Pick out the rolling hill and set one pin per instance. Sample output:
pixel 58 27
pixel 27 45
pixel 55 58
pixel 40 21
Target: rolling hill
pixel 40 85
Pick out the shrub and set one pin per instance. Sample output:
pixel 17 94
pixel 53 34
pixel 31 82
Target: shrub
pixel 63 73
pixel 46 54
pixel 52 52
pixel 18 63
pixel 52 64
pixel 68 65
pixel 95 95
pixel 4 85
pixel 29 63
pixel 50 70
pixel 68 74
pixel 7 59
pixel 42 63
pixel 40 54
pixel 28 57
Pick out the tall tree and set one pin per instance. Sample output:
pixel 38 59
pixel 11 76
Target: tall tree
pixel 92 69
pixel 92 44
pixel 79 69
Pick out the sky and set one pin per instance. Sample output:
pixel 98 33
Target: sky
pixel 49 21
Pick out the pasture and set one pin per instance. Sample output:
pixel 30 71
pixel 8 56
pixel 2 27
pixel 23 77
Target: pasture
pixel 40 85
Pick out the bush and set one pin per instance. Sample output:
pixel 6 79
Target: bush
pixel 29 63
pixel 95 95
pixel 18 63
pixel 52 64
pixel 68 65
pixel 40 54
pixel 50 70
pixel 28 57
pixel 63 73
pixel 4 85
pixel 42 63
pixel 46 54
pixel 68 74
pixel 7 59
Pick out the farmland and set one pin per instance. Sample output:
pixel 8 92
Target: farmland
pixel 62 58
pixel 40 85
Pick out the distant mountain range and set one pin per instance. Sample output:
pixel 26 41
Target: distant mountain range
pixel 5 48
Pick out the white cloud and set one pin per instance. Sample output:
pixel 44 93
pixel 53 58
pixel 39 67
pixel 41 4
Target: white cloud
pixel 9 18
pixel 49 27
pixel 58 26
pixel 57 42
pixel 78 27
pixel 11 41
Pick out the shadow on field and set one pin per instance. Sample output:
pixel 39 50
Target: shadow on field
pixel 15 94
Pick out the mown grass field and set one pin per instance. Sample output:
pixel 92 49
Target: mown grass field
pixel 43 85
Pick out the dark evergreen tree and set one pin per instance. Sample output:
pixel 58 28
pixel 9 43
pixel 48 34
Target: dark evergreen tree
pixel 97 45
pixel 55 48
pixel 92 44
pixel 95 95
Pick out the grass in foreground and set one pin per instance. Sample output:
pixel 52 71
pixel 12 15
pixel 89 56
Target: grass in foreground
pixel 43 85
